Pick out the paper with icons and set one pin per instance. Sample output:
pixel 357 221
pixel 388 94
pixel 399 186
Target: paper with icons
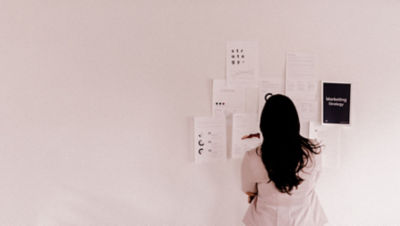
pixel 210 138
pixel 242 62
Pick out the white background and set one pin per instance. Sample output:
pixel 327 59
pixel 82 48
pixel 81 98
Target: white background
pixel 96 99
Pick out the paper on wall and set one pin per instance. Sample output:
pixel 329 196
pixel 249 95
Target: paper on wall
pixel 242 63
pixel 302 87
pixel 308 109
pixel 209 138
pixel 329 137
pixel 251 100
pixel 300 76
pixel 336 99
pixel 228 99
pixel 243 125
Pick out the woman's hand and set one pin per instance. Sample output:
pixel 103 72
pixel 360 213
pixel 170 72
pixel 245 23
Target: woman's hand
pixel 251 136
pixel 251 196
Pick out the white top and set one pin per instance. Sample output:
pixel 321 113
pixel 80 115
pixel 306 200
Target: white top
pixel 273 208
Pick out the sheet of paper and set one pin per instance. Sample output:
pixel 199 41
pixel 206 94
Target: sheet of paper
pixel 242 63
pixel 243 125
pixel 308 109
pixel 302 87
pixel 268 85
pixel 209 139
pixel 336 99
pixel 329 137
pixel 300 76
pixel 228 99
pixel 251 100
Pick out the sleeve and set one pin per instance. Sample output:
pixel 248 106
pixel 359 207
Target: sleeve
pixel 248 180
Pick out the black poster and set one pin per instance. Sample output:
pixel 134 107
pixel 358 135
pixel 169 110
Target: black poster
pixel 336 103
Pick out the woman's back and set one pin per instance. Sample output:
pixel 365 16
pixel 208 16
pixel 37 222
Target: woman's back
pixel 272 207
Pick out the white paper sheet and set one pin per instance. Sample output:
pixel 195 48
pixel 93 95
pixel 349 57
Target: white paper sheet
pixel 209 139
pixel 329 137
pixel 270 85
pixel 308 109
pixel 242 63
pixel 243 125
pixel 302 87
pixel 228 99
pixel 300 76
pixel 251 100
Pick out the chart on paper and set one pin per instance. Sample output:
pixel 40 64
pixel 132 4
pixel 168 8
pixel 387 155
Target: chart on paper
pixel 242 66
pixel 209 138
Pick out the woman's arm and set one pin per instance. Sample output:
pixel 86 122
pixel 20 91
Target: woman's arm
pixel 249 185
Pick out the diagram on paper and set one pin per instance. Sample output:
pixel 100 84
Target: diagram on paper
pixel 242 62
pixel 209 138
pixel 227 99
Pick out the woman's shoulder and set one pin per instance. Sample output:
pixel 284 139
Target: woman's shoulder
pixel 253 157
pixel 253 161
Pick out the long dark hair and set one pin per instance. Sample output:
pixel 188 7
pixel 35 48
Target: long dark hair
pixel 284 151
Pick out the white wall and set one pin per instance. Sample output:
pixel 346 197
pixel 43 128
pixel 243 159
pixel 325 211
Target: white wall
pixel 96 99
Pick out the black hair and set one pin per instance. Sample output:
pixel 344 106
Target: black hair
pixel 284 151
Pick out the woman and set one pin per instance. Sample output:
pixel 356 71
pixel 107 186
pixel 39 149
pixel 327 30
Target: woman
pixel 280 175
